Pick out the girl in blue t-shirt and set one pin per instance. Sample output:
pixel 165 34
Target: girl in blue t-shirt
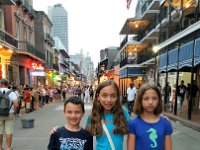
pixel 107 108
pixel 149 130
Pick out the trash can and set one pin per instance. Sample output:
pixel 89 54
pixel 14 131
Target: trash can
pixel 27 123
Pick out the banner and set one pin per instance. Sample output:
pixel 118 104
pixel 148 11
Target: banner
pixel 196 2
pixel 128 3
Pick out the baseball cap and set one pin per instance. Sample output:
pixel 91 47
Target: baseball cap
pixel 4 82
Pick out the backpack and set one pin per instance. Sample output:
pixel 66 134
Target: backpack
pixel 91 91
pixel 5 103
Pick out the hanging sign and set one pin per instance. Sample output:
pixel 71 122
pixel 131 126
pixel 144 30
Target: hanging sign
pixel 37 66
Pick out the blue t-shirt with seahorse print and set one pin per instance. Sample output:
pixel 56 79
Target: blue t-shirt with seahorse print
pixel 150 136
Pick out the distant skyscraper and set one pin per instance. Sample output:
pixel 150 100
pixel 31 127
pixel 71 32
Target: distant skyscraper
pixel 59 18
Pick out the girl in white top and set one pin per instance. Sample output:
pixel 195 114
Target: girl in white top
pixel 87 94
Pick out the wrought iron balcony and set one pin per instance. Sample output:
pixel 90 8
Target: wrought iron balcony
pixel 27 47
pixel 49 39
pixel 144 57
pixel 125 40
pixel 6 37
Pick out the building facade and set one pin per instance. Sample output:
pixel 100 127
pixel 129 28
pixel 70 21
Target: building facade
pixel 165 39
pixel 19 22
pixel 8 44
pixel 45 43
pixel 59 18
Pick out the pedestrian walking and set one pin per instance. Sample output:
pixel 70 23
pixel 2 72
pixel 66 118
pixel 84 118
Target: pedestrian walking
pixel 14 88
pixel 167 94
pixel 42 96
pixel 173 97
pixel 107 112
pixel 72 136
pixel 51 93
pixel 149 130
pixel 27 99
pixel 7 122
pixel 64 93
pixel 181 94
pixel 131 94
pixel 79 91
pixel 87 95
pixel 91 92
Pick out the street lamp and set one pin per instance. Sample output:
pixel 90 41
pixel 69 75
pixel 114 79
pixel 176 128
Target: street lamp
pixel 155 50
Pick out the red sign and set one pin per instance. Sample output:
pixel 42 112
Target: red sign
pixel 37 66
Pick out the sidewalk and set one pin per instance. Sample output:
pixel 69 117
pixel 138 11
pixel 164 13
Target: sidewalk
pixel 194 123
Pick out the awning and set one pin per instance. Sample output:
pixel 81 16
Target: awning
pixel 197 52
pixel 185 57
pixel 173 59
pixel 163 62
pixel 133 72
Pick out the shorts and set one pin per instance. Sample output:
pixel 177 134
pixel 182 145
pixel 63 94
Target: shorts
pixel 7 123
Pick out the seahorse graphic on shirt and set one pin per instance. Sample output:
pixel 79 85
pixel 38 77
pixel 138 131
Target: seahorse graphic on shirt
pixel 153 136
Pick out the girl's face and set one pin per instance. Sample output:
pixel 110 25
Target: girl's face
pixel 73 114
pixel 107 98
pixel 150 100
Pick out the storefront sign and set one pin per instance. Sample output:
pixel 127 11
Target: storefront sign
pixel 38 73
pixel 37 66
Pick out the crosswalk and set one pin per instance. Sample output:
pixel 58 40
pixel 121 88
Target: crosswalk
pixel 87 107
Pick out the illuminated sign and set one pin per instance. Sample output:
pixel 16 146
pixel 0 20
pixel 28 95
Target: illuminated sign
pixel 37 66
pixel 38 73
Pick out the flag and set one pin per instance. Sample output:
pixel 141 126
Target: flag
pixel 196 3
pixel 128 3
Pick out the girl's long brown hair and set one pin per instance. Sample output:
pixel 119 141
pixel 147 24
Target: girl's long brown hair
pixel 98 112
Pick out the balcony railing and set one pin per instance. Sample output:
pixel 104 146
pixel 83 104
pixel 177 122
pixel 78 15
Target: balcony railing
pixel 27 47
pixel 140 59
pixel 128 39
pixel 127 61
pixel 145 6
pixel 144 57
pixel 6 37
pixel 49 39
pixel 125 40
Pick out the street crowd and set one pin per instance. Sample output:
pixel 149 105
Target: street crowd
pixel 109 120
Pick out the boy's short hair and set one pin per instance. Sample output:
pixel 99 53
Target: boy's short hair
pixel 74 100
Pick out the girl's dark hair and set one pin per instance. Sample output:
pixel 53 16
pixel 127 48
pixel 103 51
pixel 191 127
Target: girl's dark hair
pixel 138 109
pixel 98 112
pixel 76 101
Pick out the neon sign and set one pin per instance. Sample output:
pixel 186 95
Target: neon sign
pixel 37 66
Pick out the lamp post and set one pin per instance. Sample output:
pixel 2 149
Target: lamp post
pixel 155 50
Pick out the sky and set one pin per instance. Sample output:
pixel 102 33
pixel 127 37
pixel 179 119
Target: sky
pixel 92 24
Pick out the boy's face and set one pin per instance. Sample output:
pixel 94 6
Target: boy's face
pixel 73 114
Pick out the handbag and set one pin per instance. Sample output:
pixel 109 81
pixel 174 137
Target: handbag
pixel 108 135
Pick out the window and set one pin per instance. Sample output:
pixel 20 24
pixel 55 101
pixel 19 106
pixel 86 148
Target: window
pixel 25 34
pixel 1 19
pixel 31 37
pixel 17 30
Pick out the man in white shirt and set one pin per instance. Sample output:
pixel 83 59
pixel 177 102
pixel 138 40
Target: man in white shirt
pixel 7 123
pixel 131 93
